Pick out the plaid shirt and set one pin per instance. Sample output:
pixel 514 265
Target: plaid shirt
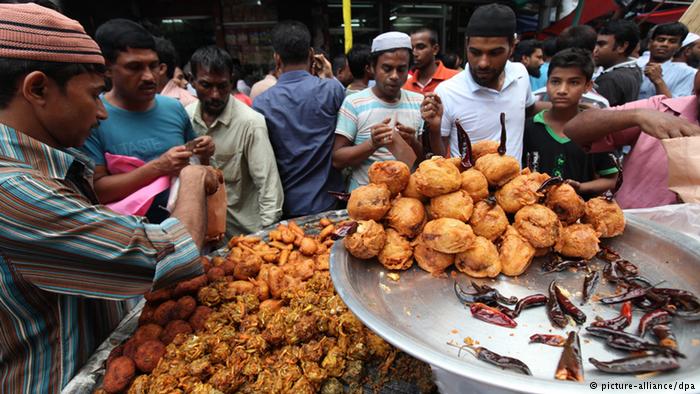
pixel 65 263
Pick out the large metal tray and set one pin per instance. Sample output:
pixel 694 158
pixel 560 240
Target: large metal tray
pixel 419 313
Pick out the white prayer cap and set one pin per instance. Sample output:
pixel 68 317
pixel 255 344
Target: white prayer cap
pixel 689 39
pixel 391 40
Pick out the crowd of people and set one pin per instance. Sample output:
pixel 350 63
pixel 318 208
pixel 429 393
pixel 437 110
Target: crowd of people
pixel 93 132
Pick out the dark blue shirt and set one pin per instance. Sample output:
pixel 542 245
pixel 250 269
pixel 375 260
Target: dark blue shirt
pixel 301 111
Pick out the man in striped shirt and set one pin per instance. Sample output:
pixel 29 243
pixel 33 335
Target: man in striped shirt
pixel 66 262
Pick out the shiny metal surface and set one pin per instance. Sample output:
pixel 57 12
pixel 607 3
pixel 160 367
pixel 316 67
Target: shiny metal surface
pixel 419 314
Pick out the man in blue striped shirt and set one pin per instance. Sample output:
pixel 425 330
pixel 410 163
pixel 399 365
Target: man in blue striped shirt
pixel 65 261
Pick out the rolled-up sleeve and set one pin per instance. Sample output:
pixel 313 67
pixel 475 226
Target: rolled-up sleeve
pixel 620 138
pixel 58 241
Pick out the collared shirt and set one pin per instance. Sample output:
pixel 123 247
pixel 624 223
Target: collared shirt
pixel 478 108
pixel 245 156
pixel 301 112
pixel 679 78
pixel 183 96
pixel 65 262
pixel 646 166
pixel 620 83
pixel 442 73
pixel 262 85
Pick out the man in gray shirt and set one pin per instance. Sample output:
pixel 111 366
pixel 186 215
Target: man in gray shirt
pixel 621 77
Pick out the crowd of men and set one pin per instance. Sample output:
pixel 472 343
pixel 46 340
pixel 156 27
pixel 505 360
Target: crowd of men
pixel 93 132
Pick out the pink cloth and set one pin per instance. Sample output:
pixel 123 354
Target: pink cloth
pixel 243 98
pixel 138 202
pixel 183 96
pixel 645 169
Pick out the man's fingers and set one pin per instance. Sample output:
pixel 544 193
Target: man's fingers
pixel 690 130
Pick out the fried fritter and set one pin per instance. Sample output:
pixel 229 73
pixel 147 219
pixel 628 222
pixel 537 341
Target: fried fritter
pixel 565 202
pixel 437 176
pixel 369 202
pixel 578 240
pixel 515 253
pixel 481 260
pixel 488 220
pixel 456 205
pixel 605 216
pixel 429 259
pixel 538 224
pixel 397 253
pixel 475 183
pixel 367 241
pixel 482 148
pixel 498 169
pixel 520 191
pixel 411 189
pixel 393 174
pixel 407 216
pixel 448 235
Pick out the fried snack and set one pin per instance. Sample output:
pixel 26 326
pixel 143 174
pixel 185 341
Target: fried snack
pixel 605 216
pixel 482 148
pixel 367 241
pixel 158 296
pixel 397 253
pixel 185 307
pixel 520 191
pixel 148 355
pixel 538 224
pixel 498 169
pixel 148 332
pixel 578 240
pixel 437 176
pixel 488 220
pixel 119 374
pixel 475 183
pixel 411 189
pixel 515 253
pixel 146 314
pixel 429 259
pixel 246 262
pixel 173 328
pixel 369 202
pixel 116 352
pixel 448 235
pixel 407 216
pixel 456 205
pixel 199 317
pixel 165 312
pixel 565 202
pixel 393 174
pixel 216 273
pixel 480 260
pixel 130 347
pixel 189 286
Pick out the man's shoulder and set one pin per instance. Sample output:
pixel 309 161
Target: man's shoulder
pixel 454 84
pixel 244 113
pixel 516 70
pixel 192 108
pixel 411 97
pixel 167 103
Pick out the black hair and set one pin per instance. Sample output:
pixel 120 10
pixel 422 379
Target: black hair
pixel 291 41
pixel 580 36
pixel 625 31
pixel 11 70
pixel 338 63
pixel 526 48
pixel 549 47
pixel 374 56
pixel 671 29
pixel 432 33
pixel 211 58
pixel 117 35
pixel 167 55
pixel 573 57
pixel 358 59
pixel 48 4
pixel 449 60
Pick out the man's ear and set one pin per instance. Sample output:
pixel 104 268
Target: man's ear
pixel 622 48
pixel 278 61
pixel 589 86
pixel 34 87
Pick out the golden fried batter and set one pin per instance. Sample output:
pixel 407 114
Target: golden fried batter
pixel 481 260
pixel 369 202
pixel 456 205
pixel 538 224
pixel 448 235
pixel 397 253
pixel 367 241
pixel 605 216
pixel 482 148
pixel 429 259
pixel 520 191
pixel 578 240
pixel 407 216
pixel 391 173
pixel 515 253
pixel 475 183
pixel 565 202
pixel 488 220
pixel 498 169
pixel 437 176
pixel 411 189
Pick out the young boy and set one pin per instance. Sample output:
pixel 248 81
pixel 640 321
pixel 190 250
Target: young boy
pixel 546 147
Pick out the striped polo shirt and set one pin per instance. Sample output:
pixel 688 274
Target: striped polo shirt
pixel 362 110
pixel 66 263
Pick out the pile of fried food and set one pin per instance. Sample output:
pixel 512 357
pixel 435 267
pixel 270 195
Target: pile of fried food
pixel 486 219
pixel 263 319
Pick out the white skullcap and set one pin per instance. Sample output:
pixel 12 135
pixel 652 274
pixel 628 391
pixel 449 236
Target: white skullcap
pixel 689 39
pixel 391 40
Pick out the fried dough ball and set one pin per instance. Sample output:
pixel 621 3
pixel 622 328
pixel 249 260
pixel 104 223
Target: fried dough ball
pixel 480 260
pixel 515 253
pixel 158 296
pixel 488 220
pixel 407 216
pixel 448 235
pixel 216 273
pixel 429 259
pixel 199 317
pixel 148 355
pixel 456 205
pixel 369 202
pixel 146 314
pixel 165 312
pixel 475 183
pixel 411 189
pixel 482 148
pixel 189 286
pixel 173 328
pixel 605 216
pixel 148 332
pixel 565 202
pixel 437 176
pixel 119 374
pixel 393 174
pixel 520 191
pixel 538 224
pixel 397 253
pixel 578 240
pixel 185 307
pixel 247 263
pixel 498 169
pixel 367 241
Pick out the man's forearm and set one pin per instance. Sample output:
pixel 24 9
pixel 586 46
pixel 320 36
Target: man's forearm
pixel 352 156
pixel 110 188
pixel 597 186
pixel 191 205
pixel 662 88
pixel 594 124
pixel 436 145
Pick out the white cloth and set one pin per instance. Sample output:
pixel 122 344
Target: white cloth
pixel 478 108
pixel 689 39
pixel 678 76
pixel 590 97
pixel 391 40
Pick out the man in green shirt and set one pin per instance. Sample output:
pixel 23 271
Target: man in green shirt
pixel 243 151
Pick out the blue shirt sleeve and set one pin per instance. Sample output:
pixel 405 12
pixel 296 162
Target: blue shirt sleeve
pixel 94 148
pixel 187 125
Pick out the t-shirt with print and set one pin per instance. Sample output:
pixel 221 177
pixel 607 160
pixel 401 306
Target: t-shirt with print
pixel 559 156
pixel 361 111
pixel 144 135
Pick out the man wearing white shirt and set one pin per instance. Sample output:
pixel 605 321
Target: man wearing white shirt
pixel 491 84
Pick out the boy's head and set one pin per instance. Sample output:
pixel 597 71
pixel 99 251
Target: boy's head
pixel 569 77
pixel 341 71
pixel 666 40
pixel 49 83
pixel 579 36
pixel 167 55
pixel 358 61
pixel 616 42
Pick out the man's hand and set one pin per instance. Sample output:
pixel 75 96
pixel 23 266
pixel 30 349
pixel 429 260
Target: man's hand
pixel 408 134
pixel 204 146
pixel 662 125
pixel 211 178
pixel 322 67
pixel 653 72
pixel 381 134
pixel 575 184
pixel 431 111
pixel 172 161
